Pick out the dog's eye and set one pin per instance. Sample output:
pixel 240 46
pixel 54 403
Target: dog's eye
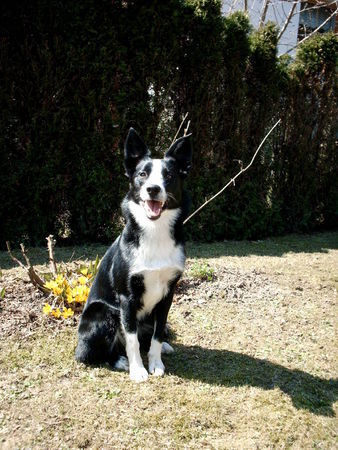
pixel 142 174
pixel 168 176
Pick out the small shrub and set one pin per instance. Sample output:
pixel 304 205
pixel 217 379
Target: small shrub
pixel 202 271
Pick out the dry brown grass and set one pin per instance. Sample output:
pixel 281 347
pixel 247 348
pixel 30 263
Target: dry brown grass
pixel 254 363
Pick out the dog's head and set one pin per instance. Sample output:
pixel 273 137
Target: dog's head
pixel 156 184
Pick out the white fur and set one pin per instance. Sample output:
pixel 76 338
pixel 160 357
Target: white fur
pixel 155 179
pixel 137 372
pixel 156 366
pixel 122 364
pixel 157 249
pixel 157 257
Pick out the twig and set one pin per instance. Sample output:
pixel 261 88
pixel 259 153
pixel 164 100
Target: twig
pixel 179 128
pixel 13 257
pixel 287 21
pixel 33 276
pixel 186 129
pixel 50 246
pixel 24 254
pixel 263 13
pixel 232 181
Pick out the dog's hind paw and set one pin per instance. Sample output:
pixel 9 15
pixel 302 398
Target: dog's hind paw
pixel 138 374
pixel 122 364
pixel 167 348
pixel 156 367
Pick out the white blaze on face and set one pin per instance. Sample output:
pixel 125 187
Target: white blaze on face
pixel 155 179
pixel 153 204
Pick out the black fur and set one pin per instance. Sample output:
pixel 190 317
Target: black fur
pixel 117 294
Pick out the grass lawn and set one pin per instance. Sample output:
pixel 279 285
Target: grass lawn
pixel 254 367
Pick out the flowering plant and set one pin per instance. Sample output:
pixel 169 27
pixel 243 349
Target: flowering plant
pixel 69 290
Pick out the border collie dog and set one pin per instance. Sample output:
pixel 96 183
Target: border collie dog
pixel 130 298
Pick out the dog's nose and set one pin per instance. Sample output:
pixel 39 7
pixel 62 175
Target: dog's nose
pixel 153 190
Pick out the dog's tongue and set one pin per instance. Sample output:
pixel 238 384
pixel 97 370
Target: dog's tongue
pixel 154 208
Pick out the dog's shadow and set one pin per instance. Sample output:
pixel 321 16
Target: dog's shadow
pixel 227 368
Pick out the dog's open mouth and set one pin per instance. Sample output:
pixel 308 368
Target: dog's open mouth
pixel 153 208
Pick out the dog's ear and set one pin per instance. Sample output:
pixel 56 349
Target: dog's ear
pixel 134 150
pixel 181 150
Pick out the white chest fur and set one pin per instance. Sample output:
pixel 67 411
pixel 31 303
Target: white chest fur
pixel 157 257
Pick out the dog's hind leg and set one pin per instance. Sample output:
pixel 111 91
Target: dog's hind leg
pixel 97 330
pixel 166 348
pixel 122 364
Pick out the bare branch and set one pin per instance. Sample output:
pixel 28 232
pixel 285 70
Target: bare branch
pixel 50 246
pixel 36 280
pixel 287 21
pixel 186 129
pixel 232 181
pixel 13 257
pixel 24 254
pixel 263 13
pixel 179 128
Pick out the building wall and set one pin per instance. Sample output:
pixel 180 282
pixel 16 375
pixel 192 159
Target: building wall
pixel 277 12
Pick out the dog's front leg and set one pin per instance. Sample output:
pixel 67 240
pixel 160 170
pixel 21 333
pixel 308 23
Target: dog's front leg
pixel 156 366
pixel 137 372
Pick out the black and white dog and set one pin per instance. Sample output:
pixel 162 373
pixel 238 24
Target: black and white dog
pixel 129 301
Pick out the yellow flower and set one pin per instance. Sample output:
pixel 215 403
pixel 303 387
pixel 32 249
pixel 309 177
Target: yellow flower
pixel 47 309
pixel 69 295
pixel 80 293
pixel 60 279
pixel 58 291
pixel 57 313
pixel 51 285
pixel 84 271
pixel 67 312
pixel 82 280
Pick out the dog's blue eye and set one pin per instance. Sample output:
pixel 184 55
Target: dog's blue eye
pixel 142 174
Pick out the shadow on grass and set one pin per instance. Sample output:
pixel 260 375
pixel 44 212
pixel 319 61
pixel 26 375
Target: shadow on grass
pixel 227 368
pixel 278 246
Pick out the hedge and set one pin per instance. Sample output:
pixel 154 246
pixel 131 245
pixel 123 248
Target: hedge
pixel 76 75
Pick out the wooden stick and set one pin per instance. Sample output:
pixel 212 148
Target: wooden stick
pixel 232 181
pixel 179 128
pixel 36 280
pixel 186 129
pixel 13 257
pixel 50 246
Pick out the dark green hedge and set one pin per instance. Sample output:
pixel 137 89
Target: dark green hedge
pixel 76 75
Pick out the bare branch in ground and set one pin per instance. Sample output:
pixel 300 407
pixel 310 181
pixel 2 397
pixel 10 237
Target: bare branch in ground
pixel 232 181
pixel 50 246
pixel 179 128
pixel 13 257
pixel 186 129
pixel 36 280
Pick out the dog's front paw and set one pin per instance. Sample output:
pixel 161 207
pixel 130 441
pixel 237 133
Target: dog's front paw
pixel 138 374
pixel 156 367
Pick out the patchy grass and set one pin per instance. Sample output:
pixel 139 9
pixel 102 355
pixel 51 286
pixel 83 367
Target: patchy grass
pixel 254 363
